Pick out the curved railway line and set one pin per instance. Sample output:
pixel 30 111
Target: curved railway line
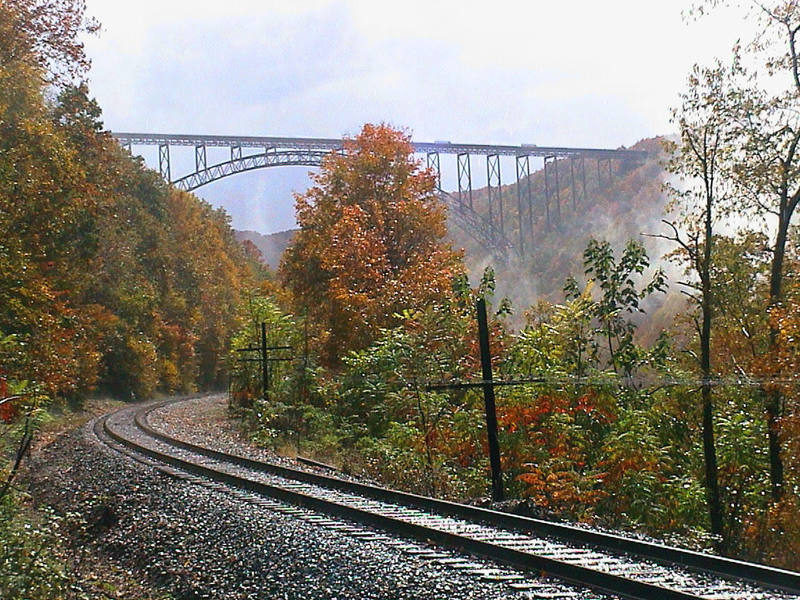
pixel 529 548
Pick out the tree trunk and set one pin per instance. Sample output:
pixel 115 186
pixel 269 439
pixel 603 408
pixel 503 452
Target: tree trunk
pixel 710 455
pixel 709 448
pixel 774 396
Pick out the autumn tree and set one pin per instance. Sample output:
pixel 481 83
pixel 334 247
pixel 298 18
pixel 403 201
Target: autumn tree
pixel 698 202
pixel 371 242
pixel 46 35
pixel 107 276
pixel 766 123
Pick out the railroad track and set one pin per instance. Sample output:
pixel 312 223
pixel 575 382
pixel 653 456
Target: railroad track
pixel 608 564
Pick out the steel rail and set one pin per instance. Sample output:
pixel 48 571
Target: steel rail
pixel 571 573
pixel 737 570
pixel 761 575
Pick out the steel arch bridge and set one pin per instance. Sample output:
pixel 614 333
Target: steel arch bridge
pixel 489 229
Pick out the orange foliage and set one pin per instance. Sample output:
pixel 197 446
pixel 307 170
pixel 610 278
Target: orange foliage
pixel 370 242
pixel 555 431
pixel 783 365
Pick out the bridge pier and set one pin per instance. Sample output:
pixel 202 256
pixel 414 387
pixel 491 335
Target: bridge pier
pixel 548 222
pixel 524 193
pixel 163 162
pixel 583 176
pixel 464 178
pixel 494 190
pixel 558 191
pixel 572 183
pixel 200 158
pixel 434 163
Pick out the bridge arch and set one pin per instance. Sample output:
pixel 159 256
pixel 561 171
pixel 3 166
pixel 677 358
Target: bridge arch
pixel 462 214
pixel 281 158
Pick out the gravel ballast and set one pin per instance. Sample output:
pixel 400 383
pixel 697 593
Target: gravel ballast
pixel 201 543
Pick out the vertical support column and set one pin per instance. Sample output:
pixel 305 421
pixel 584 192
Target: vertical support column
pixel 433 163
pixel 495 192
pixel 572 182
pixel 127 146
pixel 236 152
pixel 200 158
pixel 524 189
pixel 163 162
pixel 546 194
pixel 583 175
pixel 599 181
pixel 464 179
pixel 489 402
pixel 558 191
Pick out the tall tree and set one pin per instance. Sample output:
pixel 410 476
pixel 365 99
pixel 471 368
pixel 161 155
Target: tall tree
pixel 699 159
pixel 371 241
pixel 45 34
pixel 766 115
pixel 769 165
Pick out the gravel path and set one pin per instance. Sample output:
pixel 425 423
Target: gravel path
pixel 205 421
pixel 200 543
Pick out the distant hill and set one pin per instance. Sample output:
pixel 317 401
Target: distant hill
pixel 624 205
pixel 271 245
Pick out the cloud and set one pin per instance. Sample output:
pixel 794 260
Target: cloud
pixel 576 73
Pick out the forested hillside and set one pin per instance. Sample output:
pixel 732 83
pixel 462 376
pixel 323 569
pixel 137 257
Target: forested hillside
pixel 622 203
pixel 109 279
pixel 626 202
pixel 271 246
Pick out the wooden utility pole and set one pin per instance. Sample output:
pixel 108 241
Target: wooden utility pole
pixel 489 403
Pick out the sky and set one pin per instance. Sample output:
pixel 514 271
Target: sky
pixel 570 73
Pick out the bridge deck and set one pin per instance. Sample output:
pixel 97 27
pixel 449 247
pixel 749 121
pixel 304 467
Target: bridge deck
pixel 298 143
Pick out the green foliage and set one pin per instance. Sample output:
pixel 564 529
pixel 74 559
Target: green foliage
pixel 375 413
pixel 29 567
pixel 618 298
pixel 289 380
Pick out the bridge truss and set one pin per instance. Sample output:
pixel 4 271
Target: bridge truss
pixel 491 229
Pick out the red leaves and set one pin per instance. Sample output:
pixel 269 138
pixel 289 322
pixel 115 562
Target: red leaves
pixel 8 410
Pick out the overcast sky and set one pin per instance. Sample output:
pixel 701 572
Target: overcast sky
pixel 569 73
